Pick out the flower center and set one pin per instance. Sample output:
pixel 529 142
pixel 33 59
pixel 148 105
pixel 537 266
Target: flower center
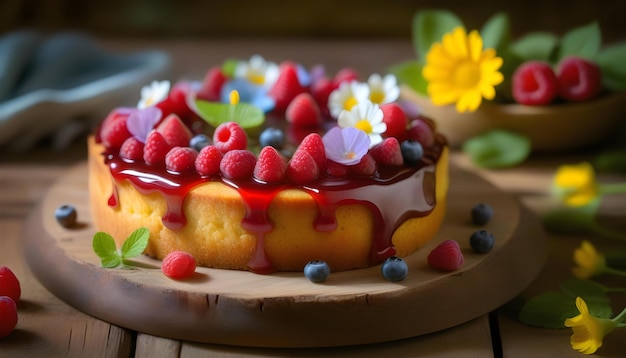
pixel 377 97
pixel 466 75
pixel 364 125
pixel 257 79
pixel 349 155
pixel 349 103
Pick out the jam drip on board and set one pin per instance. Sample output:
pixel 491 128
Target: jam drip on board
pixel 388 211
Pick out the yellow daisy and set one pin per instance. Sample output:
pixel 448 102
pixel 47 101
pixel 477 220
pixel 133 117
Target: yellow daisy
pixel 258 71
pixel 459 71
pixel 588 330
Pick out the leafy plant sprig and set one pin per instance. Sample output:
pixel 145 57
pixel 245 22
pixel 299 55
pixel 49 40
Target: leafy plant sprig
pixel 110 257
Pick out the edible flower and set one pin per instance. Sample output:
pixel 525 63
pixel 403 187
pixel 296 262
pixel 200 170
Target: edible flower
pixel 251 93
pixel 588 330
pixel 367 117
pixel 592 263
pixel 383 89
pixel 141 121
pixel 153 94
pixel 346 145
pixel 258 71
pixel 575 184
pixel 347 96
pixel 459 71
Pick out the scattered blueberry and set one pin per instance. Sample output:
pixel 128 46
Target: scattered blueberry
pixel 412 151
pixel 316 271
pixel 199 141
pixel 481 214
pixel 394 269
pixel 66 215
pixel 482 241
pixel 273 137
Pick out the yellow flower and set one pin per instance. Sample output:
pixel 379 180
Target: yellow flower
pixel 588 331
pixel 589 261
pixel 576 184
pixel 459 71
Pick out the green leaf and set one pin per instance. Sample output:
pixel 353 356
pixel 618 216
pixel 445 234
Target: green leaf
pixel 584 41
pixel 104 246
pixel 429 26
pixel 229 66
pixel 590 291
pixel 611 161
pixel 535 46
pixel 496 32
pixel 551 309
pixel 611 61
pixel 214 113
pixel 410 73
pixel 572 220
pixel 497 149
pixel 136 243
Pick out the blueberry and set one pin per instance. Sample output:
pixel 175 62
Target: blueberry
pixel 273 137
pixel 412 151
pixel 199 141
pixel 66 215
pixel 394 269
pixel 482 241
pixel 481 214
pixel 316 271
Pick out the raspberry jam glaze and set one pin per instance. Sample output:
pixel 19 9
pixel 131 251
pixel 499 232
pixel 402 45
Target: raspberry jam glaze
pixel 388 211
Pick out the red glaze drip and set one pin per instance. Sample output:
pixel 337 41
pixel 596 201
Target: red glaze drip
pixel 389 212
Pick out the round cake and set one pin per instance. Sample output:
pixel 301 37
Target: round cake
pixel 266 167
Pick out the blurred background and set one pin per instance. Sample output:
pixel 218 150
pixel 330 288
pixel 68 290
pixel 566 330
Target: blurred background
pixel 285 18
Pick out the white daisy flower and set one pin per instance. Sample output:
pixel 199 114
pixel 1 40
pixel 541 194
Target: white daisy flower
pixel 383 89
pixel 347 96
pixel 258 71
pixel 153 94
pixel 366 116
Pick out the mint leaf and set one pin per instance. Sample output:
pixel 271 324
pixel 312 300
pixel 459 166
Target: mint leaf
pixel 497 149
pixel 410 73
pixel 214 113
pixel 429 26
pixel 582 41
pixel 104 246
pixel 611 61
pixel 496 32
pixel 535 46
pixel 571 220
pixel 136 243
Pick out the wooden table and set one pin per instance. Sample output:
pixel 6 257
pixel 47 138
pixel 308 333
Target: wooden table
pixel 49 327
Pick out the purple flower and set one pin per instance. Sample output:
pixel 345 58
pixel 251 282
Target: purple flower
pixel 141 121
pixel 346 145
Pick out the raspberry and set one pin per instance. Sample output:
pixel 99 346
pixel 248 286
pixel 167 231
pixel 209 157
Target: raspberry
pixel 180 159
pixel 578 79
pixel 336 170
pixel 230 136
pixel 178 265
pixel 8 316
pixel 314 145
pixel 155 149
pixel 346 75
pixel 303 111
pixel 114 131
pixel 174 131
pixel 366 167
pixel 208 161
pixel 420 130
pixel 321 90
pixel 396 120
pixel 286 88
pixel 212 84
pixel 302 167
pixel 447 256
pixel 132 149
pixel 237 163
pixel 176 101
pixel 9 284
pixel 534 83
pixel 270 166
pixel 388 152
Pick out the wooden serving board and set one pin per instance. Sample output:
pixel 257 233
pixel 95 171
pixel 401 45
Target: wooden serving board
pixel 285 309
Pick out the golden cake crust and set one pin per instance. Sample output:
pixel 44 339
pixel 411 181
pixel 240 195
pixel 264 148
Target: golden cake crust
pixel 214 235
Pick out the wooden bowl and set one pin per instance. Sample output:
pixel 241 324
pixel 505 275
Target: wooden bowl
pixel 554 128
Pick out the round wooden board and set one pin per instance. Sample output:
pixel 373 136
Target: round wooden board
pixel 286 309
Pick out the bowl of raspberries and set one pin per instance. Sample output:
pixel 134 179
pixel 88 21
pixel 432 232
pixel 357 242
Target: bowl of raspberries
pixel 560 92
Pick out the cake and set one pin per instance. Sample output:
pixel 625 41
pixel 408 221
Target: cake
pixel 359 178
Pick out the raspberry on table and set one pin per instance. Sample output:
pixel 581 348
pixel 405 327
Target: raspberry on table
pixel 447 256
pixel 8 316
pixel 178 265
pixel 9 284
